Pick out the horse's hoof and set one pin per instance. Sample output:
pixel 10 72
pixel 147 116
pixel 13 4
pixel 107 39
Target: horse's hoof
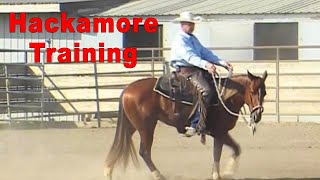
pixel 108 173
pixel 216 176
pixel 231 167
pixel 157 175
pixel 108 178
pixel 228 174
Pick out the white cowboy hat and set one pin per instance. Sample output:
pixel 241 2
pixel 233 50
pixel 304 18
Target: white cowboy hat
pixel 188 17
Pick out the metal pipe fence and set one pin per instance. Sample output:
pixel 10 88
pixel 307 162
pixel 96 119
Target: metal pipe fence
pixel 152 61
pixel 30 107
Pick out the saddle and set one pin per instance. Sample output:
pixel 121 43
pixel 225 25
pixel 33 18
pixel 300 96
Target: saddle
pixel 180 90
pixel 176 88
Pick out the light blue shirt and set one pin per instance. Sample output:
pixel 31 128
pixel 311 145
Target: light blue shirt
pixel 186 50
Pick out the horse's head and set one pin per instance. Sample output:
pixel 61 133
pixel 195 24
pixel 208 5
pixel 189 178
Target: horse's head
pixel 254 95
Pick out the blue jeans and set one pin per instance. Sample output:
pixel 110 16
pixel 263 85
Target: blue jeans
pixel 195 119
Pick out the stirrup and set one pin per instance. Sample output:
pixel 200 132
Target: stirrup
pixel 202 131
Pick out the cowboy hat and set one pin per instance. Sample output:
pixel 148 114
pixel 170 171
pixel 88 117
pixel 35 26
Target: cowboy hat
pixel 188 17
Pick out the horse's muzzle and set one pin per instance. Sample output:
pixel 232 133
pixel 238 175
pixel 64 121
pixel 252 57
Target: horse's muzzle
pixel 256 114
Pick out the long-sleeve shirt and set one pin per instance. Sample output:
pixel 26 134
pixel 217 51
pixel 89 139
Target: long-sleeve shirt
pixel 186 50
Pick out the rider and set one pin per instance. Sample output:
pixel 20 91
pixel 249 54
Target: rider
pixel 192 60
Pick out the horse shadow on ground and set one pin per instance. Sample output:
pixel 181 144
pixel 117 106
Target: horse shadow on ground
pixel 183 178
pixel 317 178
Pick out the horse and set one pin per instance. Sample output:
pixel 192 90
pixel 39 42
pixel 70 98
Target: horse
pixel 140 108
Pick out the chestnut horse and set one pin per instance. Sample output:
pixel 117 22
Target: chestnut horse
pixel 140 108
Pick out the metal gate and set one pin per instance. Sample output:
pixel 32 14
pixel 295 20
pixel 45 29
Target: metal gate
pixel 35 92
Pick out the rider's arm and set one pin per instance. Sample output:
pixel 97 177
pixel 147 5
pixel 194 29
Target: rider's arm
pixel 182 48
pixel 211 57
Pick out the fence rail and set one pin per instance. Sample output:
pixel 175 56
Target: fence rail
pixel 30 86
pixel 156 67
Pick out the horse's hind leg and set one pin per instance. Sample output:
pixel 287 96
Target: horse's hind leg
pixel 108 169
pixel 234 161
pixel 146 136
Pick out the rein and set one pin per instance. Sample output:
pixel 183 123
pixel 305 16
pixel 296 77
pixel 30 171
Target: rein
pixel 250 124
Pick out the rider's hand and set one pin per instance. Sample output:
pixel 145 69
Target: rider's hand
pixel 211 68
pixel 229 66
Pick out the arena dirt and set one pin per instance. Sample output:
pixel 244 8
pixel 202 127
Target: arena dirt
pixel 277 151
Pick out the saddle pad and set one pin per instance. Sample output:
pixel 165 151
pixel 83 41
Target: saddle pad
pixel 163 88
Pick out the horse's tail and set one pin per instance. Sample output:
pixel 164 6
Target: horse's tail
pixel 122 147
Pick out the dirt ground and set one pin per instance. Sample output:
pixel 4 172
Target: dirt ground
pixel 277 151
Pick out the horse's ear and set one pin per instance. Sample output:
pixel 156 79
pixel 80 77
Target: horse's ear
pixel 264 76
pixel 251 76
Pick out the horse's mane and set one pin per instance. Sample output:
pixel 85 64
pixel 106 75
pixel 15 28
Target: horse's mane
pixel 234 85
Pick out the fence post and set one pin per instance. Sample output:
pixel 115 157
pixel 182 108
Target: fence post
pixel 26 57
pixel 278 86
pixel 25 74
pixel 97 94
pixel 7 91
pixel 164 67
pixel 42 85
pixel 152 62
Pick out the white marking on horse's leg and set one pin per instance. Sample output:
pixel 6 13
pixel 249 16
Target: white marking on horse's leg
pixel 108 173
pixel 216 171
pixel 231 167
pixel 216 176
pixel 156 175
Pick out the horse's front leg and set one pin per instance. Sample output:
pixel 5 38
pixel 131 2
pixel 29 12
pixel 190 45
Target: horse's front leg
pixel 234 161
pixel 217 149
